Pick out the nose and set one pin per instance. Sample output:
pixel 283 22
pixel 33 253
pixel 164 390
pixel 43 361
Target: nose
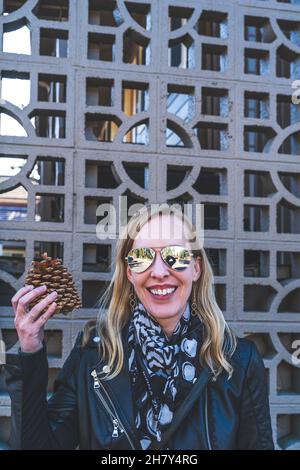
pixel 159 269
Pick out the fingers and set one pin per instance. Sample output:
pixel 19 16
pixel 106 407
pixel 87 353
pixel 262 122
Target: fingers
pixel 39 307
pixel 45 317
pixel 24 290
pixel 26 299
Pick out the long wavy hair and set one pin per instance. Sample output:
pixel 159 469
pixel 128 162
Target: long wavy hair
pixel 218 343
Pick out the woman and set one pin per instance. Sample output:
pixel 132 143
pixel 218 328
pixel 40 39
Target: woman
pixel 161 371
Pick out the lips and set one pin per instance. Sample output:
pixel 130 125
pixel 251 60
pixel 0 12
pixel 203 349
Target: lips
pixel 163 291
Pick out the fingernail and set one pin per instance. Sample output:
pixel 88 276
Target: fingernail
pixel 30 287
pixel 43 287
pixel 53 295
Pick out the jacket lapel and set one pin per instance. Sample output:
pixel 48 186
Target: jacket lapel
pixel 120 392
pixel 184 408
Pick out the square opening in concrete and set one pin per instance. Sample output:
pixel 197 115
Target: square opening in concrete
pixel 217 258
pixel 12 256
pixel 96 257
pixel 92 292
pixel 214 57
pixel 49 124
pixel 52 88
pixel 53 249
pixel 256 263
pixel 52 10
pixel 103 13
pixel 256 62
pixel 49 171
pixel 256 218
pixel 49 207
pixel 101 47
pixel 54 43
pixel 99 92
pixel 213 23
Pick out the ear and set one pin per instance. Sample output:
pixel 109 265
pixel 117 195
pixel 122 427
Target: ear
pixel 197 269
pixel 129 274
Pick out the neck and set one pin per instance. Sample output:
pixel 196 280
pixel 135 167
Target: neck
pixel 168 325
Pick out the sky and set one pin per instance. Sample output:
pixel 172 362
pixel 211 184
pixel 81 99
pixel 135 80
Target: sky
pixel 15 91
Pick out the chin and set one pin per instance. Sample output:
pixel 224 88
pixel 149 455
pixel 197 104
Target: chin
pixel 163 312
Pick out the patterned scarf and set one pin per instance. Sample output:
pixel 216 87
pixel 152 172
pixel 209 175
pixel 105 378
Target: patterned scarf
pixel 162 370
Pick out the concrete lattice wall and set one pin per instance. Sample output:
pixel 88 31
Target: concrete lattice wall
pixel 219 79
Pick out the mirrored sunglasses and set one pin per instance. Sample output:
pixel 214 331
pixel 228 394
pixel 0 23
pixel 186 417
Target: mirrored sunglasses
pixel 175 256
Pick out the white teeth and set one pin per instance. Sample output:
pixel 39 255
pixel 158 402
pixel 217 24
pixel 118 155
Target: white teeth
pixel 163 291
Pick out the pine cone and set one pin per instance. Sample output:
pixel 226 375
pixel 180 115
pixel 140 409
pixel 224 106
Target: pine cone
pixel 51 273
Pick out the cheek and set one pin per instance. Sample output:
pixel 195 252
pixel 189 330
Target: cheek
pixel 138 281
pixel 186 287
pixel 186 279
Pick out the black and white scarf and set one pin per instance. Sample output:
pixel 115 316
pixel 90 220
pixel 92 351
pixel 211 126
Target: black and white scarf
pixel 162 370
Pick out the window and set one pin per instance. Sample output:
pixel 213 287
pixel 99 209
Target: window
pixel 256 62
pixel 52 88
pixel 101 175
pixel 211 181
pixel 178 17
pixel 49 207
pixel 104 13
pixel 136 48
pixel 181 102
pixel 256 263
pixel 258 184
pixel 258 29
pixel 181 53
pixel 101 127
pixel 258 138
pixel 256 218
pixel 53 43
pixel 135 98
pixel 51 124
pixel 99 92
pixel 52 10
pixel 287 63
pixel 214 57
pixel 256 105
pixel 213 23
pixel 212 136
pixel 215 102
pixel 101 47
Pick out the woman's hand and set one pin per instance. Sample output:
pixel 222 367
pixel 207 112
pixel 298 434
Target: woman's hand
pixel 30 323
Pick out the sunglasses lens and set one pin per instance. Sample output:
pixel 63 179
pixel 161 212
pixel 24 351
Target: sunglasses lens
pixel 177 257
pixel 140 259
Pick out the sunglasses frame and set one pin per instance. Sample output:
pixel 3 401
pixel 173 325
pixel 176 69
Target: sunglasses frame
pixel 160 250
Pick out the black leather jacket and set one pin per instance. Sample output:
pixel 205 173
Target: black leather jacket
pixel 89 413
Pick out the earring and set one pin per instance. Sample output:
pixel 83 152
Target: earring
pixel 132 300
pixel 194 306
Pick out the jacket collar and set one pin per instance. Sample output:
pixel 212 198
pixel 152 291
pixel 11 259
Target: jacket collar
pixel 120 392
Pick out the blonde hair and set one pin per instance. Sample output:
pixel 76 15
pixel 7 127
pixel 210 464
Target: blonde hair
pixel 114 309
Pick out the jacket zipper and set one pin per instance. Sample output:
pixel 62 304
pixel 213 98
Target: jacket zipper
pixel 117 424
pixel 206 423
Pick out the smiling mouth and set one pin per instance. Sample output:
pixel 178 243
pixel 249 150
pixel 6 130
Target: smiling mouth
pixel 162 293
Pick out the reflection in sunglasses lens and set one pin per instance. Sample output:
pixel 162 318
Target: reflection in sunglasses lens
pixel 176 257
pixel 140 259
